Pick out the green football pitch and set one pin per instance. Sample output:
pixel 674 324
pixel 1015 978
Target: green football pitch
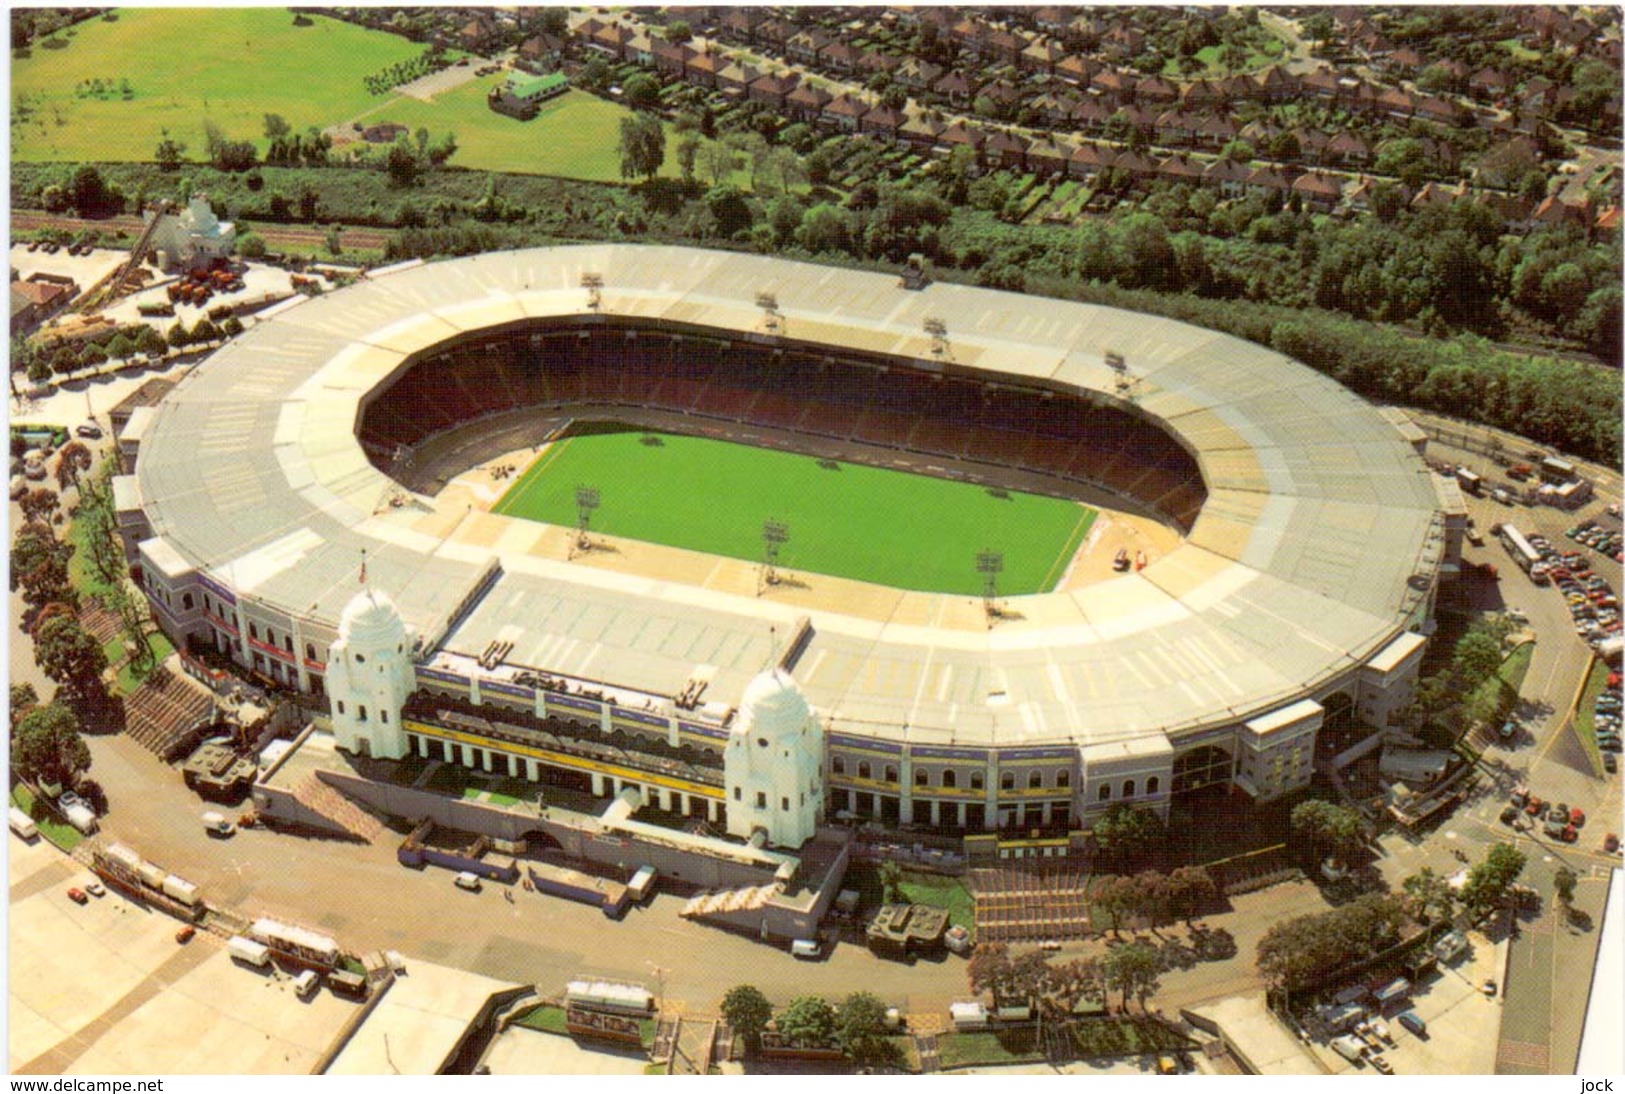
pixel 873 524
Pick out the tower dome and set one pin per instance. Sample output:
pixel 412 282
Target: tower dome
pixel 371 621
pixel 772 704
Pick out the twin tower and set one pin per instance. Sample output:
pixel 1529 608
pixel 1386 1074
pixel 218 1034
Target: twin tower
pixel 773 766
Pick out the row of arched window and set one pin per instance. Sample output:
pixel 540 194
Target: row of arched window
pixel 949 776
pixel 1152 785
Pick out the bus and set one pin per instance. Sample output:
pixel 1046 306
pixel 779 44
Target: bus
pixel 1524 555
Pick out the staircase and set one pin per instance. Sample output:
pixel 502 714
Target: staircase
pixel 137 253
pixel 343 813
pixel 743 899
pixel 164 711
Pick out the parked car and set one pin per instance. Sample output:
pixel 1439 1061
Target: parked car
pixel 1382 1065
pixel 185 934
pixel 95 888
pixel 78 896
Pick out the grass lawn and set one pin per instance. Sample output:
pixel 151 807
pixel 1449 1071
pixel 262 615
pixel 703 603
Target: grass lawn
pixel 873 524
pixel 545 1017
pixel 1504 685
pixel 228 65
pixel 1124 1037
pixel 63 835
pixel 941 892
pixel 128 678
pixel 1015 1046
pixel 576 135
pixel 1585 716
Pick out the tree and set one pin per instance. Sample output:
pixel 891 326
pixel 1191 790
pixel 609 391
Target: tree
pixel 1152 896
pixel 1488 882
pixel 1298 952
pixel 178 337
pixel 276 127
pixel 1190 889
pixel 38 504
pixel 23 696
pixel 641 91
pixel 860 1029
pixel 1429 896
pixel 70 656
pixel 678 31
pixel 716 161
pixel 401 165
pixel 205 331
pixel 1131 969
pixel 88 193
pixel 251 245
pixel 1564 882
pixel 826 228
pixel 1126 834
pixel 730 212
pixel 808 1020
pixel 169 153
pixel 1477 657
pixel 39 565
pixel 46 746
pixel 1115 896
pixel 1322 828
pixel 891 882
pixel 643 146
pixel 688 149
pixel 747 1010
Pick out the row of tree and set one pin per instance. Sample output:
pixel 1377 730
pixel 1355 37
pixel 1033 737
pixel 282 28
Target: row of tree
pixel 1057 990
pixel 857 1026
pixel 1452 699
pixel 1154 897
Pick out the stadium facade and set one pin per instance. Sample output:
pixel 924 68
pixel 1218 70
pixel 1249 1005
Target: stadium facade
pixel 1313 537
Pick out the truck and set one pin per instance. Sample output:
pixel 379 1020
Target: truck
pixel 81 816
pixel 218 824
pixel 1470 481
pixel 642 884
pixel 248 951
pixel 1348 1046
pixel 181 890
pixel 23 825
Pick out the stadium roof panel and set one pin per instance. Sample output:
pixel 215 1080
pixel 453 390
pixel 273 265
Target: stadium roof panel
pixel 1319 513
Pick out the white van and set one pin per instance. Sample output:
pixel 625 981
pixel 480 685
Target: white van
pixel 217 824
pixel 466 880
pixel 306 983
pixel 805 948
pixel 23 825
pixel 248 951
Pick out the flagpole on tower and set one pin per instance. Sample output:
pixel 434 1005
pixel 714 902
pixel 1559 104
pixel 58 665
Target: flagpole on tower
pixel 363 566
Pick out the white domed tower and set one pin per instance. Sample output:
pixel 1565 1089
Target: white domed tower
pixel 773 766
pixel 369 677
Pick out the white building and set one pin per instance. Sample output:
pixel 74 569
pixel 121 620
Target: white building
pixel 773 765
pixel 192 238
pixel 370 677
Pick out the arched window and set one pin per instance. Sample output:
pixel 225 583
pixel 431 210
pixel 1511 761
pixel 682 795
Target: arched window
pixel 310 652
pixel 341 706
pixel 1105 792
pixel 950 778
pixel 922 777
pixel 186 601
pixel 1007 780
pixel 383 716
pixel 254 632
pixel 863 769
pixel 1128 788
pixel 976 780
pixel 287 642
pixel 1035 781
pixel 891 773
pixel 1152 784
pixel 361 711
pixel 837 765
pixel 1063 779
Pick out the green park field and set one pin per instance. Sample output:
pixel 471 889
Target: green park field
pixel 847 520
pixel 232 66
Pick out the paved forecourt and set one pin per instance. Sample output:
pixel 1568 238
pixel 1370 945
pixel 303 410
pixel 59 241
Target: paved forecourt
pixel 1317 546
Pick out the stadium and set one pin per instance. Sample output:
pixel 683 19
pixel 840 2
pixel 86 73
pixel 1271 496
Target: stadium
pixel 958 614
